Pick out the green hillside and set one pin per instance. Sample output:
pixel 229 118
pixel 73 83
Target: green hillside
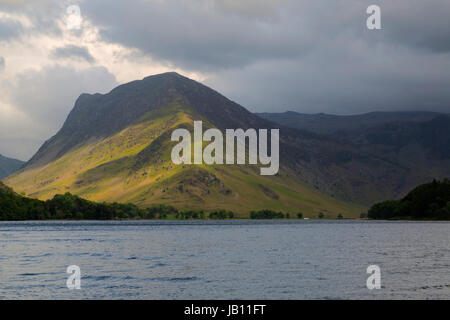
pixel 116 148
pixel 134 166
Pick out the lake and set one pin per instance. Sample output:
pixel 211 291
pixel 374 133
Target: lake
pixel 233 259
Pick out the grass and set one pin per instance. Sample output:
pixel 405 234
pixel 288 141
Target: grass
pixel 127 168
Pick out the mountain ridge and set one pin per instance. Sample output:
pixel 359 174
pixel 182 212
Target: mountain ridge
pixel 122 103
pixel 123 153
pixel 116 147
pixel 324 123
pixel 415 142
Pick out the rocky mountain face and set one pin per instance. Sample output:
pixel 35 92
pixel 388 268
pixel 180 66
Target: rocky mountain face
pixel 417 144
pixel 99 116
pixel 116 147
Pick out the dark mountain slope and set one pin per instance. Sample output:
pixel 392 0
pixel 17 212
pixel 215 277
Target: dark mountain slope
pixel 417 144
pixel 98 116
pixel 8 166
pixel 433 136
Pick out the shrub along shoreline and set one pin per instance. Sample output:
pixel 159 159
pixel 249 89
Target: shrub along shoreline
pixel 15 207
pixel 430 201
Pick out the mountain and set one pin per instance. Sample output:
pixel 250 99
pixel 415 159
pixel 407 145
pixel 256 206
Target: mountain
pixel 328 123
pixel 431 136
pixel 417 143
pixel 423 148
pixel 8 166
pixel 116 147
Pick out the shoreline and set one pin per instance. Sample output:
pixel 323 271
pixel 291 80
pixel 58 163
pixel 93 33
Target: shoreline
pixel 234 219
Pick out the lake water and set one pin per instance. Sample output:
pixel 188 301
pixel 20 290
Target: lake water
pixel 225 259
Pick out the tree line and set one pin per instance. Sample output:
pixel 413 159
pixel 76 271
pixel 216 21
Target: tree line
pixel 71 207
pixel 430 201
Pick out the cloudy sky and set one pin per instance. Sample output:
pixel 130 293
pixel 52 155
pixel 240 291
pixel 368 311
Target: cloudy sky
pixel 274 55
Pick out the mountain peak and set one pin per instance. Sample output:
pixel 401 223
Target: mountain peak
pixel 99 116
pixel 170 74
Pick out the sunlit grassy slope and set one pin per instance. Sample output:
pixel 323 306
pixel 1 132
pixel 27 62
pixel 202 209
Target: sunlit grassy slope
pixel 134 165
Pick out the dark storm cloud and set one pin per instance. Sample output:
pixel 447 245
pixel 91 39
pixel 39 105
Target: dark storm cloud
pixel 273 55
pixel 229 33
pixel 308 87
pixel 312 56
pixel 72 52
pixel 419 24
pixel 198 35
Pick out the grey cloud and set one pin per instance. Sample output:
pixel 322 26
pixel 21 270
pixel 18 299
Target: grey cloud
pixel 418 24
pixel 311 56
pixel 5 4
pixel 73 52
pixel 44 16
pixel 46 97
pixel 223 34
pixel 2 64
pixel 196 35
pixel 9 28
pixel 386 80
pixel 251 8
pixel 322 46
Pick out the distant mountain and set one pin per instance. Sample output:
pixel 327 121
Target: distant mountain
pixel 432 136
pixel 116 147
pixel 8 166
pixel 416 142
pixel 328 123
